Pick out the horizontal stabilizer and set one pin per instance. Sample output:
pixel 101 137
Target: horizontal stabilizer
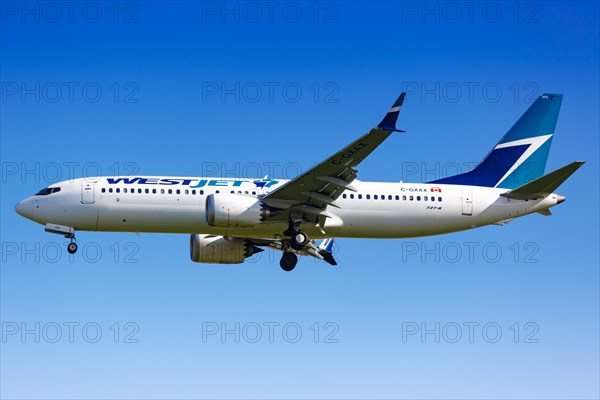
pixel 544 186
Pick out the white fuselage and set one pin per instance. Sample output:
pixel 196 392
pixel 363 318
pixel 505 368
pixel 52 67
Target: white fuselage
pixel 177 205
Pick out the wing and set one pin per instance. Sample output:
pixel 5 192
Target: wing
pixel 308 195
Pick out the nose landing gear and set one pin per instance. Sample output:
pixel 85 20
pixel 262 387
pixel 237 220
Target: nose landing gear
pixel 71 247
pixel 67 231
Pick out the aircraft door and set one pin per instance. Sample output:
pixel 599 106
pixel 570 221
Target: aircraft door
pixel 87 192
pixel 467 202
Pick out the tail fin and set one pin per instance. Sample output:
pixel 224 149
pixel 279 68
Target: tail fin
pixel 521 154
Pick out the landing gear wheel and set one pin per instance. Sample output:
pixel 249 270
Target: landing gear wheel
pixel 298 240
pixel 72 248
pixel 288 261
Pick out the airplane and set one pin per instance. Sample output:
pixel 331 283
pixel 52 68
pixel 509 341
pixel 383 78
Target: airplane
pixel 229 220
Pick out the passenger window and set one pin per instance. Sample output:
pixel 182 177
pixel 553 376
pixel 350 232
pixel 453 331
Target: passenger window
pixel 425 198
pixel 153 191
pixel 162 191
pixel 404 198
pixel 103 190
pixel 125 190
pixel 439 199
pixel 147 191
pixel 202 192
pixel 254 193
pixel 368 197
pixel 418 198
pixel 360 196
pixel 139 190
pixel 178 191
pixel 351 196
pixel 170 191
pixel 344 195
pixel 375 197
pixel 411 198
pixel 110 190
pixel 118 190
pixel 432 198
pixel 187 191
pixel 397 197
pixel 233 192
pixel 193 191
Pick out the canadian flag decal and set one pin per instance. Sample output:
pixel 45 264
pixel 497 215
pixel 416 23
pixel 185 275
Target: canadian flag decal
pixel 436 189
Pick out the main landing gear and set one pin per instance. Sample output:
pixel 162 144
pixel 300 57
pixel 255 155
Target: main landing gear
pixel 298 240
pixel 288 261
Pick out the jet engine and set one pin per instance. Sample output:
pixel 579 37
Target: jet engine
pixel 220 250
pixel 234 211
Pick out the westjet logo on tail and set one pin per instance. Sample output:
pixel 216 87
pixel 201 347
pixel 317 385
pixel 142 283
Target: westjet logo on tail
pixel 197 183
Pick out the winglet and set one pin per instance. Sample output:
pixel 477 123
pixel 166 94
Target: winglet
pixel 326 251
pixel 388 122
pixel 545 185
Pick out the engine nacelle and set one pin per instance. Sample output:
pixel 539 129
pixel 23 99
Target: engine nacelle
pixel 234 211
pixel 219 250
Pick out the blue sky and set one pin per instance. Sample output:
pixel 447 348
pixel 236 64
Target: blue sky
pixel 196 88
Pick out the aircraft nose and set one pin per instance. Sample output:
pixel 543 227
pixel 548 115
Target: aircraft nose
pixel 560 199
pixel 24 208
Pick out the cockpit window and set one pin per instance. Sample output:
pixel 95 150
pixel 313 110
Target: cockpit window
pixel 47 191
